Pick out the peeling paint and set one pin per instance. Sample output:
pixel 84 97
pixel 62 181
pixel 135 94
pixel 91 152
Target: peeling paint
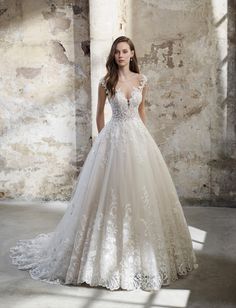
pixel 54 143
pixel 53 7
pixel 2 194
pixel 21 148
pixel 59 53
pixel 164 53
pixel 193 111
pixel 58 20
pixel 2 11
pixel 195 93
pixel 85 45
pixel 28 72
pixel 171 104
pixel 223 163
pixel 3 162
pixel 77 9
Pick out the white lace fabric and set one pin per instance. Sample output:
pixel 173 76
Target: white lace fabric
pixel 124 226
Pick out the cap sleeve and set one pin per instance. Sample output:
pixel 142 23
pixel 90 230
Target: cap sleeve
pixel 103 84
pixel 143 81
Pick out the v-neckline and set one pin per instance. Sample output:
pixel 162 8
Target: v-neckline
pixel 132 91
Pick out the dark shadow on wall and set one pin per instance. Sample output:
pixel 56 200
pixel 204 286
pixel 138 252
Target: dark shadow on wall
pixel 231 90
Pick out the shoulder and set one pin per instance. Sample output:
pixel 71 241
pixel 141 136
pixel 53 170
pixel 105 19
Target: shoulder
pixel 143 77
pixel 102 81
pixel 143 80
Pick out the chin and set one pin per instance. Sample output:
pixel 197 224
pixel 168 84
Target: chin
pixel 122 63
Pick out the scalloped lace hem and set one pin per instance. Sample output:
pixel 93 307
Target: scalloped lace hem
pixel 139 281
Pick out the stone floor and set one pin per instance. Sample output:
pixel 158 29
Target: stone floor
pixel 213 284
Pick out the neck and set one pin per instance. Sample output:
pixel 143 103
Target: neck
pixel 124 72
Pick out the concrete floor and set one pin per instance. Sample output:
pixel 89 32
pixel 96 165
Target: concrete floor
pixel 213 284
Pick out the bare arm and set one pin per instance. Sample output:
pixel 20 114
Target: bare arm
pixel 141 107
pixel 100 107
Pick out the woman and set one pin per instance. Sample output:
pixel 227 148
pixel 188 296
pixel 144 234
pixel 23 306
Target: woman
pixel 124 226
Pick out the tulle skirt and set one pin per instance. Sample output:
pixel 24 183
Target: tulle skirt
pixel 124 226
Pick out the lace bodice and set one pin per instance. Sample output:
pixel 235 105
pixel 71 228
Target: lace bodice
pixel 123 108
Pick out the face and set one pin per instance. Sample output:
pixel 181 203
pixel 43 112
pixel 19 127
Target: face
pixel 123 54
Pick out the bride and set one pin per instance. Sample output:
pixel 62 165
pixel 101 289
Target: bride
pixel 124 226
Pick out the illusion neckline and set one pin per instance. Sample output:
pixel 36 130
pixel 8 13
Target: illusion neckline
pixel 131 93
pixel 133 89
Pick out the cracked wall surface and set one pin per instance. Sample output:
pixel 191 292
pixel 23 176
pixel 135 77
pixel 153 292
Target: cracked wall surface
pixel 45 108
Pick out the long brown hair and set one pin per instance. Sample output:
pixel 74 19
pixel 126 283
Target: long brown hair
pixel 111 77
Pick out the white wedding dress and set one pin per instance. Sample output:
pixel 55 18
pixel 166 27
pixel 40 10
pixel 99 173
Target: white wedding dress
pixel 124 226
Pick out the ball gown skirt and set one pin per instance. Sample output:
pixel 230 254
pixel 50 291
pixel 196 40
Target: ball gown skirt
pixel 124 226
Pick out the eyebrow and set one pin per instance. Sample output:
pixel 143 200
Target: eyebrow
pixel 122 49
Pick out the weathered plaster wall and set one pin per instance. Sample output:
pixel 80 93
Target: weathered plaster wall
pixel 45 115
pixel 182 48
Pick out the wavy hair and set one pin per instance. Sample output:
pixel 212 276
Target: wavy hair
pixel 111 77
